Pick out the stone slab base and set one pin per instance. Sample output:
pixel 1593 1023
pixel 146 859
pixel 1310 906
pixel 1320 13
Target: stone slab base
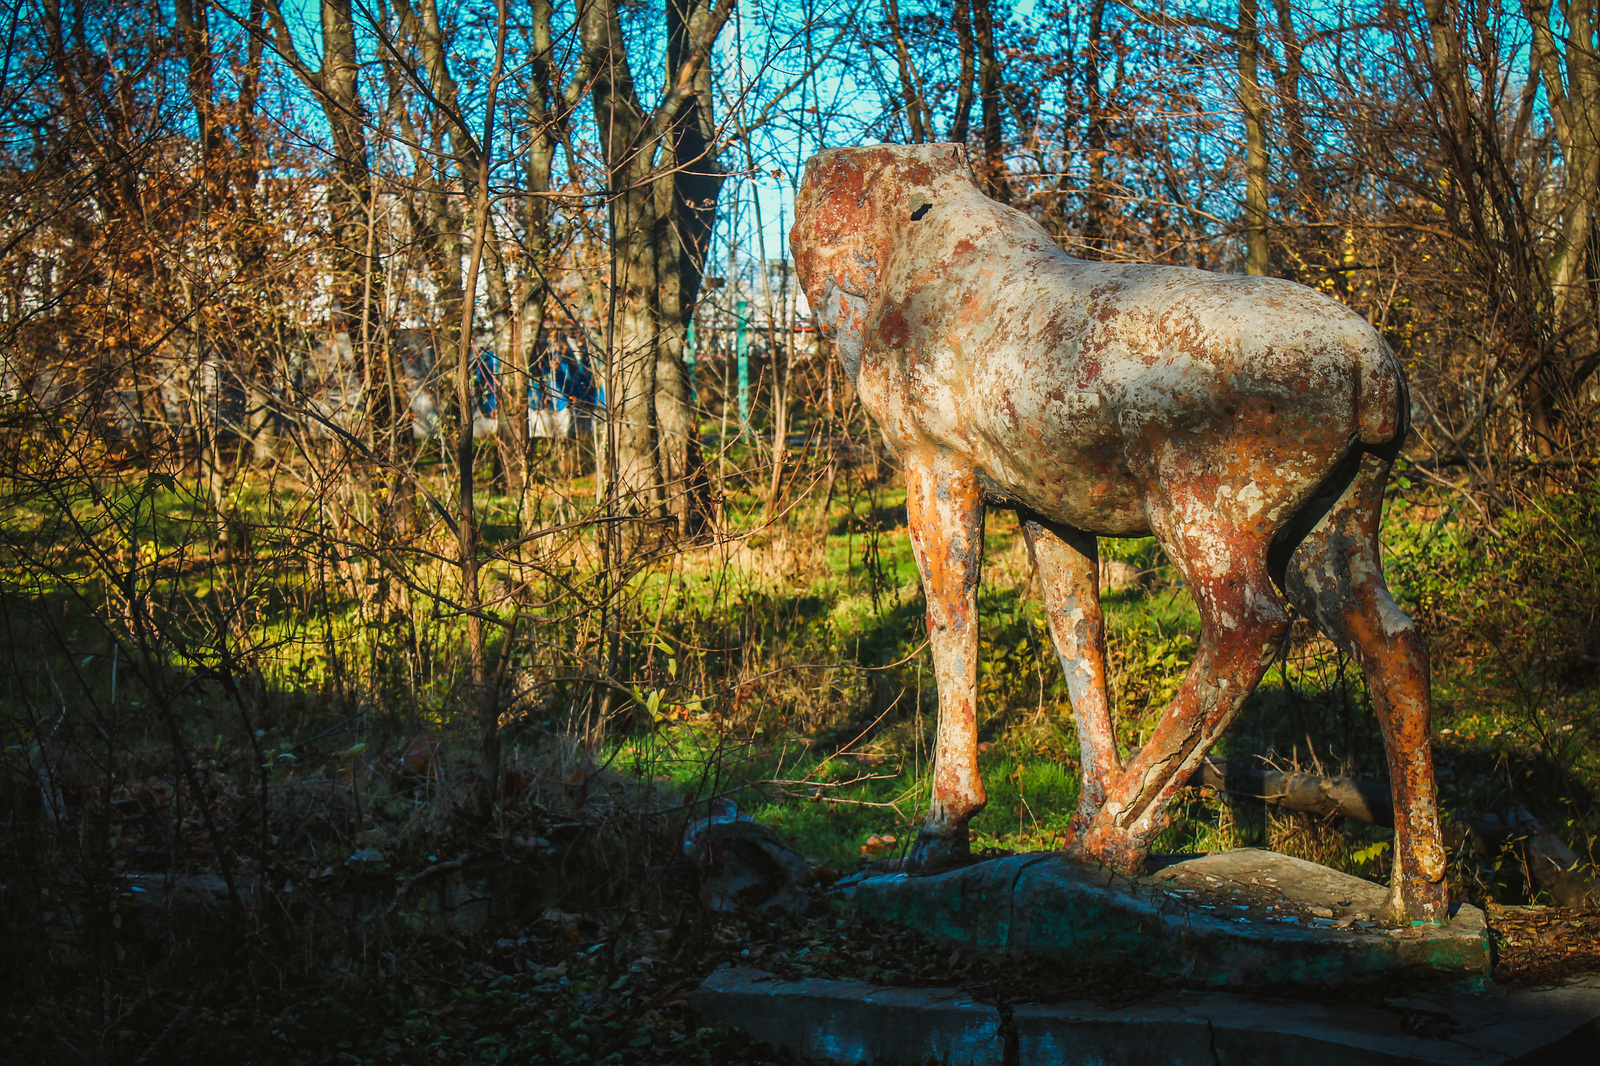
pixel 1238 919
pixel 854 1022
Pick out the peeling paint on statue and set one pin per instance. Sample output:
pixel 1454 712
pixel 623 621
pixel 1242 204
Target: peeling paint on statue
pixel 1247 423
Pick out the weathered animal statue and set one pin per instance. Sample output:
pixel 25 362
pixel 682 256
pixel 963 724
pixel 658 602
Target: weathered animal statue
pixel 1247 423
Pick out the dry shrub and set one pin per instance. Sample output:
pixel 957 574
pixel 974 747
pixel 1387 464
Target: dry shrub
pixel 1305 837
pixel 778 555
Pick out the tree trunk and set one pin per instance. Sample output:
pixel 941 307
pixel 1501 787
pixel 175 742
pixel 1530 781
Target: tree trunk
pixel 357 271
pixel 967 57
pixel 660 224
pixel 510 373
pixel 1255 134
pixel 230 175
pixel 1095 202
pixel 358 275
pixel 989 73
pixel 1573 107
pixel 473 159
pixel 686 242
pixel 442 225
pixel 918 122
pixel 1302 157
pixel 546 118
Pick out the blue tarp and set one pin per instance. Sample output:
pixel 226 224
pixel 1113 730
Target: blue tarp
pixel 569 384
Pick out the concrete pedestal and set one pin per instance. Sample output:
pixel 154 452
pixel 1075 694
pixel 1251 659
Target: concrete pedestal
pixel 853 1022
pixel 1239 919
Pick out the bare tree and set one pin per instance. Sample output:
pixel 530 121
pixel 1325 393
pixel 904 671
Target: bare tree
pixel 358 283
pixel 662 181
pixel 1248 41
pixel 990 102
pixel 919 122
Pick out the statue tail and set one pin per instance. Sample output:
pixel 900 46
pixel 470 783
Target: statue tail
pixel 1383 403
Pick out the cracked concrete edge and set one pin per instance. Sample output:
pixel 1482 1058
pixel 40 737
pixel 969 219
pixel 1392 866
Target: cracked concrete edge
pixel 1222 1028
pixel 854 1022
pixel 1045 907
pixel 1516 1022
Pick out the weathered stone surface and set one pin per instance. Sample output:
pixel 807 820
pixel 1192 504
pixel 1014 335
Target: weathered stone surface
pixel 154 910
pixel 854 1022
pixel 1558 1026
pixel 745 864
pixel 1210 1028
pixel 1239 919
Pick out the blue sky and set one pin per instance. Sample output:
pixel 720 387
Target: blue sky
pixel 752 49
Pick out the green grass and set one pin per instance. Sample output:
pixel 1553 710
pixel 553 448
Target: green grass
pixel 805 641
pixel 785 670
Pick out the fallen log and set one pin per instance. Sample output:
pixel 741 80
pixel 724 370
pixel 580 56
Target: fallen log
pixel 1553 865
pixel 1558 868
pixel 1318 794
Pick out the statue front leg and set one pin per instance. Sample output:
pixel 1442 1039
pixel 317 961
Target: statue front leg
pixel 944 508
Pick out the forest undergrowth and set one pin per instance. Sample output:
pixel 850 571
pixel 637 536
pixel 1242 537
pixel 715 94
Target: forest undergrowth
pixel 266 728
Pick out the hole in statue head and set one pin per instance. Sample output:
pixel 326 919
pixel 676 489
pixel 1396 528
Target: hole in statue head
pixel 916 216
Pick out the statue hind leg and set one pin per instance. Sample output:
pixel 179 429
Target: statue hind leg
pixel 1068 563
pixel 1335 576
pixel 1242 623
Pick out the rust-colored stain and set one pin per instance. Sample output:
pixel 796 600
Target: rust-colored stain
pixel 1249 424
pixel 893 328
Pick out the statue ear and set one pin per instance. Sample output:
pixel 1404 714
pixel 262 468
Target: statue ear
pixel 844 315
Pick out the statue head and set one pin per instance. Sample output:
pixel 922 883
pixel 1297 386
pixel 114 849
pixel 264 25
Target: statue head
pixel 848 218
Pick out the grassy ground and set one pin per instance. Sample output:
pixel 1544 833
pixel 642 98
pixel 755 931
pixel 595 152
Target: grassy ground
pixel 298 701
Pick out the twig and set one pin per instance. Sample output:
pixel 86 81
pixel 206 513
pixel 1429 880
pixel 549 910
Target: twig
pixel 422 875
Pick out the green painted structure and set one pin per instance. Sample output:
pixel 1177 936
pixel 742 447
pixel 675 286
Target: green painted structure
pixel 742 348
pixel 1239 919
pixel 688 360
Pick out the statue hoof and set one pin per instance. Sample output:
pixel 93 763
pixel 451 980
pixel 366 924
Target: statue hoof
pixel 1109 847
pixel 1417 903
pixel 936 853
